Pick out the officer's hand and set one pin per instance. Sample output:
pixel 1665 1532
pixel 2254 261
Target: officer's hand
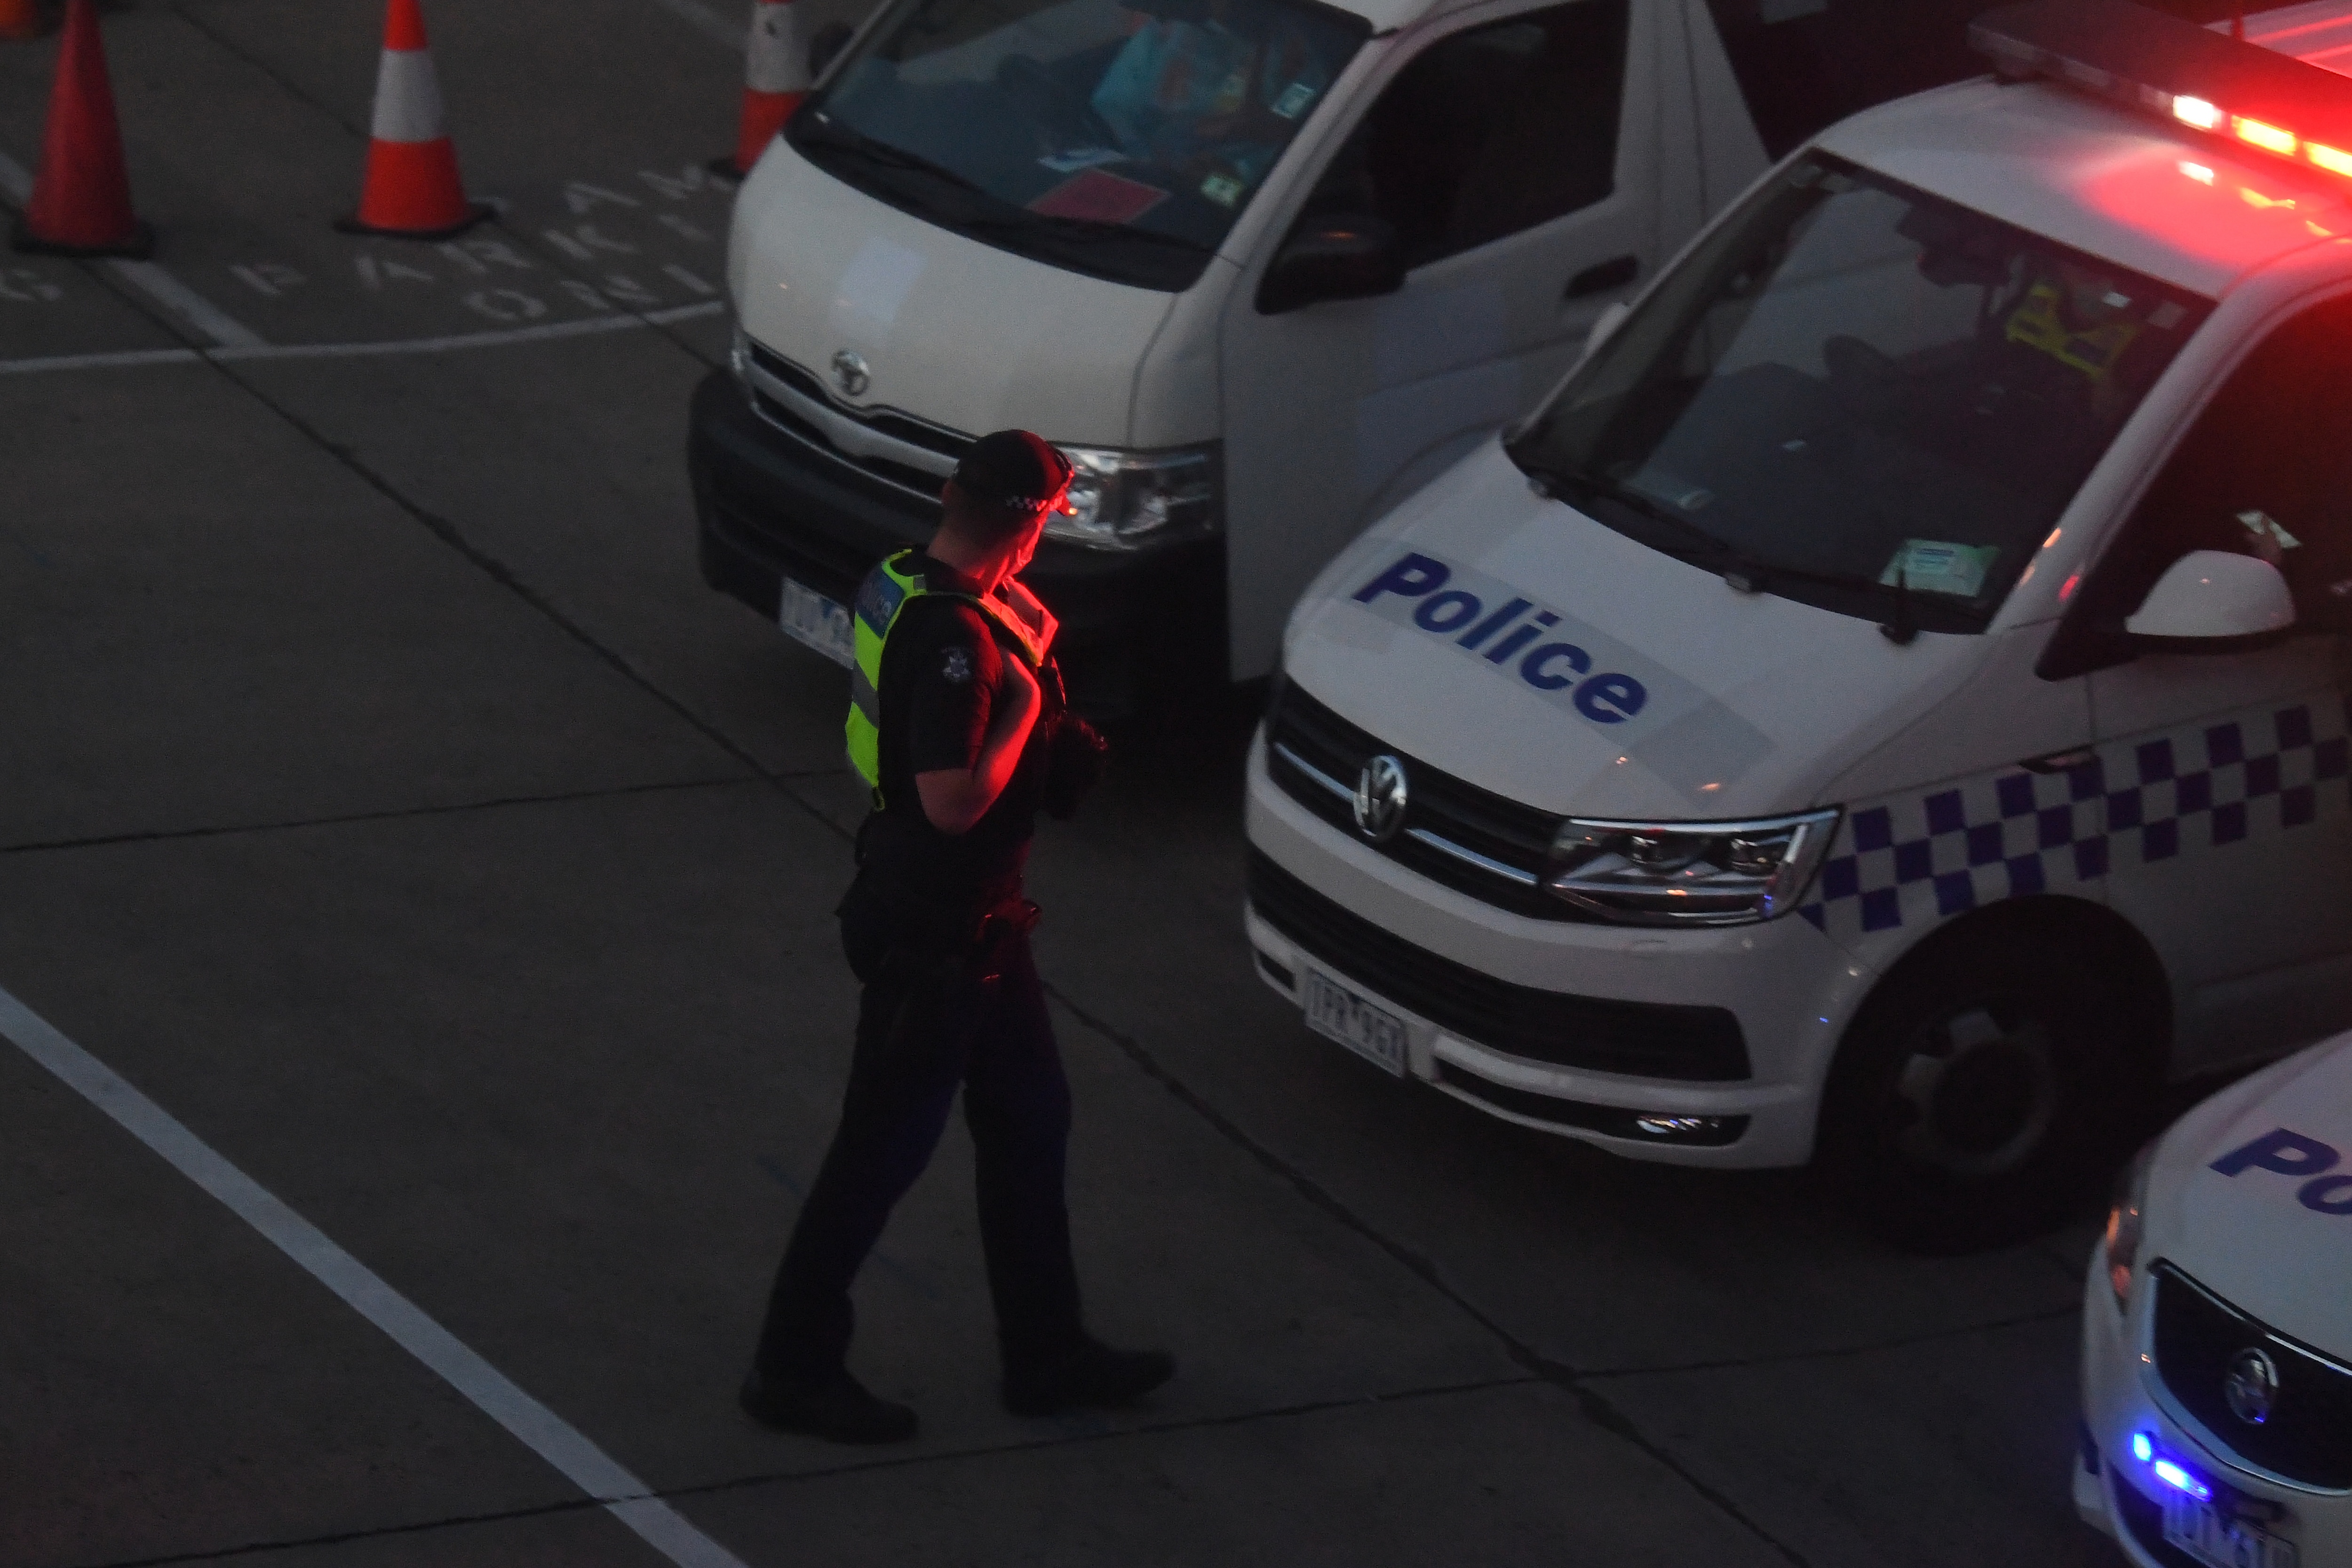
pixel 1075 765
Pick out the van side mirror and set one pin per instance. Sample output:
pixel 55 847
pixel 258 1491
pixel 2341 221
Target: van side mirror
pixel 1332 255
pixel 2208 596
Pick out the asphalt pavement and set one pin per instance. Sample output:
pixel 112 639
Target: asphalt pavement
pixel 422 1014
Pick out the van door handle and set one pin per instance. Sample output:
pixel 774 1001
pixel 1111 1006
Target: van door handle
pixel 1603 276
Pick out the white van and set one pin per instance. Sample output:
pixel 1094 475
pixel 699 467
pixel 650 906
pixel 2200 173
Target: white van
pixel 1889 702
pixel 1261 267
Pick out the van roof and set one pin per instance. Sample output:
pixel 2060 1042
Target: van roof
pixel 2133 184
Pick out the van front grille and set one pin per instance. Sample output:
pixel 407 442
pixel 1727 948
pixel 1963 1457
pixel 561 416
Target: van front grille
pixel 1454 832
pixel 921 483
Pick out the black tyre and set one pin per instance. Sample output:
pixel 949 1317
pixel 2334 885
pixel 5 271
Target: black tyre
pixel 1984 1091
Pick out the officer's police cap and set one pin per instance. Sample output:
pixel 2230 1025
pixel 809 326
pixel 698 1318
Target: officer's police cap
pixel 1014 468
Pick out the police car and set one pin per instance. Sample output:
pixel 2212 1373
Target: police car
pixel 1889 705
pixel 2217 1332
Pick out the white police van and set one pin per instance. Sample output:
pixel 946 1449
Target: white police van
pixel 1889 702
pixel 2217 1332
pixel 1262 267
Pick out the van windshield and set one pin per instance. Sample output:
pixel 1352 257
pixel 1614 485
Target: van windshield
pixel 1121 141
pixel 1859 396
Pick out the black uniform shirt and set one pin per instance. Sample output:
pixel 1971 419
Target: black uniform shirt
pixel 943 671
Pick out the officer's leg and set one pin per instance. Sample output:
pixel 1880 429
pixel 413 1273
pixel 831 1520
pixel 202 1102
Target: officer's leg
pixel 1017 1102
pixel 914 1026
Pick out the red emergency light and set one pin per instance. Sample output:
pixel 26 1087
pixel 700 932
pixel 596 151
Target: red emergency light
pixel 2193 75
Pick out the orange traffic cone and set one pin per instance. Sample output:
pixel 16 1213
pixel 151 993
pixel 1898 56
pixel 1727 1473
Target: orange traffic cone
pixel 775 79
pixel 20 19
pixel 82 197
pixel 412 190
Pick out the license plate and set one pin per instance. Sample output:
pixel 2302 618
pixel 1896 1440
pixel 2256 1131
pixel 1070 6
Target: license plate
pixel 1371 1032
pixel 2200 1530
pixel 810 618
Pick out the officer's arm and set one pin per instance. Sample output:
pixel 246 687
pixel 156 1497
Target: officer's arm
pixel 956 798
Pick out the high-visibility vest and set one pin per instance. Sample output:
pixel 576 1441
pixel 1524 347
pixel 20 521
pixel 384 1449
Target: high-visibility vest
pixel 2038 325
pixel 890 588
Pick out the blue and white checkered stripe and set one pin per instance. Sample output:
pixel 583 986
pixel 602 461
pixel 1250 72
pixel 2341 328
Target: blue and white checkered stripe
pixel 1914 859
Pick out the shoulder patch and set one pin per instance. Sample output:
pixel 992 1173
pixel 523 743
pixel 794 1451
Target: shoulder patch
pixel 955 666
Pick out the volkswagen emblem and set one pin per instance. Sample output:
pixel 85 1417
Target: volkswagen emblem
pixel 850 374
pixel 2251 1386
pixel 1381 799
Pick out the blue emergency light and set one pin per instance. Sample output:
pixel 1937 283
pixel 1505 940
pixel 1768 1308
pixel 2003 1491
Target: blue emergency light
pixel 2193 75
pixel 2169 1470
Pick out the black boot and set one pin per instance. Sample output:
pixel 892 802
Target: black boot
pixel 1093 1375
pixel 839 1410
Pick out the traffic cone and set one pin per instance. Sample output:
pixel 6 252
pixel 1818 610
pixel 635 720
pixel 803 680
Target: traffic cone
pixel 82 197
pixel 775 79
pixel 20 19
pixel 412 190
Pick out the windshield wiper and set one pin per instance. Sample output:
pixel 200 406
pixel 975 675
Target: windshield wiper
pixel 1744 572
pixel 1703 548
pixel 836 137
pixel 1084 230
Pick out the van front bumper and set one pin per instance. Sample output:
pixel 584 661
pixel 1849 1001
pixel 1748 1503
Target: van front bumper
pixel 771 504
pixel 1704 1046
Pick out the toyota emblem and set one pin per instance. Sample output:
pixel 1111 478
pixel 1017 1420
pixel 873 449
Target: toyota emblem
pixel 1381 799
pixel 850 374
pixel 2252 1385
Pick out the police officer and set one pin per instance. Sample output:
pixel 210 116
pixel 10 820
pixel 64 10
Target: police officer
pixel 957 724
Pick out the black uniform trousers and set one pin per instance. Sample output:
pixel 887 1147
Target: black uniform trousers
pixel 930 1022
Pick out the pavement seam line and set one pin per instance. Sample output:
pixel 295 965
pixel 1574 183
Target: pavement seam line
pixel 1835 1352
pixel 402 813
pixel 830 1472
pixel 1595 1406
pixel 495 569
pixel 704 20
pixel 538 1429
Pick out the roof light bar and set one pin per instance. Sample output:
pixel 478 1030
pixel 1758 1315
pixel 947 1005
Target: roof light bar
pixel 2196 112
pixel 2192 76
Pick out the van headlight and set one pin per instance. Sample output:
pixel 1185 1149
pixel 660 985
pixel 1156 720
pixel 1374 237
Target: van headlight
pixel 1688 874
pixel 1123 500
pixel 2126 1218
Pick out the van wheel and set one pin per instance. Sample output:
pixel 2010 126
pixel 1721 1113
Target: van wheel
pixel 1980 1095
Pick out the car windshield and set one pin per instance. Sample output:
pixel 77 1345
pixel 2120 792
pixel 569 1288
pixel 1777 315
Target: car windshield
pixel 1859 396
pixel 1114 140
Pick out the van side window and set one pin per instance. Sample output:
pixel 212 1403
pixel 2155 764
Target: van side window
pixel 1804 65
pixel 2268 458
pixel 1489 131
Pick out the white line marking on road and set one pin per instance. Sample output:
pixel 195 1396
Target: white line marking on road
pixel 546 1434
pixel 150 279
pixel 706 21
pixel 353 351
pixel 187 304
